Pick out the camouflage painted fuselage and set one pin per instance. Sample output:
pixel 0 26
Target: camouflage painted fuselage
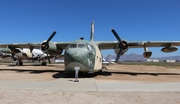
pixel 84 54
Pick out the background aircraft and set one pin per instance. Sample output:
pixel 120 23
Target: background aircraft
pixel 19 54
pixel 108 60
pixel 87 56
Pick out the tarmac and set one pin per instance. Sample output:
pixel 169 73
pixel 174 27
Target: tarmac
pixel 88 85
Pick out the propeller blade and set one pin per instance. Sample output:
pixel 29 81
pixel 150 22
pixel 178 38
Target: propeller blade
pixel 122 46
pixel 52 35
pixel 118 55
pixel 116 35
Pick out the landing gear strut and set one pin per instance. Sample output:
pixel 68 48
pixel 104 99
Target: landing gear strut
pixel 76 74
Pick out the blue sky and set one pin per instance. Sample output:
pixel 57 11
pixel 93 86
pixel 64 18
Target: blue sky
pixel 134 20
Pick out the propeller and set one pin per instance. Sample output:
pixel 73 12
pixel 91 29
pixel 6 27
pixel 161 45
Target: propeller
pixel 45 45
pixel 122 45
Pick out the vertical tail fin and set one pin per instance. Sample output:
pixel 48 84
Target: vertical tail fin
pixel 92 31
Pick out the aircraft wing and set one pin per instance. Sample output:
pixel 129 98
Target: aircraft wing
pixel 102 44
pixel 33 45
pixel 20 45
pixel 62 45
pixel 112 44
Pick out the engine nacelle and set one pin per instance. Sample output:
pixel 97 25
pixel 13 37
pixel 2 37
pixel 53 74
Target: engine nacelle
pixel 51 48
pixel 169 49
pixel 147 54
pixel 10 51
pixel 118 47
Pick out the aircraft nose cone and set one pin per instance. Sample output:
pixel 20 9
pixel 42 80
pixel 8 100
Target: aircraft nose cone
pixel 73 56
pixel 79 58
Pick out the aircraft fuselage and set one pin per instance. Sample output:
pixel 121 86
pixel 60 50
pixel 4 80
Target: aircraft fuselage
pixel 83 54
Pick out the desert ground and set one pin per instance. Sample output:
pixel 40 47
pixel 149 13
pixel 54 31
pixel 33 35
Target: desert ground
pixel 111 75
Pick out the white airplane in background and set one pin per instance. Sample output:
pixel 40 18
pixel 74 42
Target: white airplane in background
pixel 25 54
pixel 108 60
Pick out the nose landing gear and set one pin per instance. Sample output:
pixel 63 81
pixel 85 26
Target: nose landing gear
pixel 76 74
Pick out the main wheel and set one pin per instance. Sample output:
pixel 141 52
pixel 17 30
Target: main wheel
pixel 19 63
pixel 43 63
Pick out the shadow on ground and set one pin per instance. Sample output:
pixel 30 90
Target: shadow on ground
pixel 61 74
pixel 49 65
pixel 138 73
pixel 58 73
pixel 30 71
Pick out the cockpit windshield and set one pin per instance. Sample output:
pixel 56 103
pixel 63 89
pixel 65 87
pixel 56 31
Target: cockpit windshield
pixel 90 47
pixel 73 45
pixel 77 46
pixel 81 45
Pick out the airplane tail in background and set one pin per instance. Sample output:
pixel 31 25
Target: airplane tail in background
pixel 92 31
pixel 110 59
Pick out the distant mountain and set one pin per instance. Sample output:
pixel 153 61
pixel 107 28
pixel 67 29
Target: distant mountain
pixel 170 58
pixel 134 56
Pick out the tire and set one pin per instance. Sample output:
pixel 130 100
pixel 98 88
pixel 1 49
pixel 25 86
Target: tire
pixel 43 63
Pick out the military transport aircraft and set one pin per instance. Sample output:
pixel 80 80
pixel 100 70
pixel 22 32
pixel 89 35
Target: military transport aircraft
pixel 87 54
pixel 24 54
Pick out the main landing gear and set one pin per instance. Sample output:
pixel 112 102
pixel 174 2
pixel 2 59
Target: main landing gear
pixel 44 63
pixel 19 63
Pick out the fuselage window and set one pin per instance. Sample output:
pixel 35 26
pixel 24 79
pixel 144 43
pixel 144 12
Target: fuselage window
pixel 73 45
pixel 81 45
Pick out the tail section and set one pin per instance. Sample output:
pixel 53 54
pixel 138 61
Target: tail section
pixel 92 31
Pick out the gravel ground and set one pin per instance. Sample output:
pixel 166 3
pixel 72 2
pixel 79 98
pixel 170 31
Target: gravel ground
pixel 62 97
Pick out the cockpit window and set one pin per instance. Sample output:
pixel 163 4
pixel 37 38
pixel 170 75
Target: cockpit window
pixel 73 45
pixel 81 45
pixel 90 47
